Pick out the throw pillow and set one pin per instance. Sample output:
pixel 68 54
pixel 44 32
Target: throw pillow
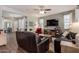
pixel 71 35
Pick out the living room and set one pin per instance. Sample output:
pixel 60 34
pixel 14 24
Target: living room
pixel 39 28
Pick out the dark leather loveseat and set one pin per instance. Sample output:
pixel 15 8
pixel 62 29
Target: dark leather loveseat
pixel 31 43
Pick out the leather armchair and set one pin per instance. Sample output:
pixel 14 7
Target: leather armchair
pixel 30 42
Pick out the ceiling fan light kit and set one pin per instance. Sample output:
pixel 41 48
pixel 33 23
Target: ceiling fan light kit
pixel 42 12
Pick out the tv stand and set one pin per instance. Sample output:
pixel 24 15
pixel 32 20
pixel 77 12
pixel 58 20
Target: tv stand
pixel 54 32
pixel 50 32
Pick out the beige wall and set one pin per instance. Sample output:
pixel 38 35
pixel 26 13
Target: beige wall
pixel 32 19
pixel 59 17
pixel 1 19
pixel 3 8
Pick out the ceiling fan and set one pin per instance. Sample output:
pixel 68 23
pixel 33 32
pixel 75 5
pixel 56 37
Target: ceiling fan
pixel 42 10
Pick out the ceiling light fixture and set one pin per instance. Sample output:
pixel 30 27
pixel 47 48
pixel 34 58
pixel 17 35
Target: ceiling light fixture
pixel 42 12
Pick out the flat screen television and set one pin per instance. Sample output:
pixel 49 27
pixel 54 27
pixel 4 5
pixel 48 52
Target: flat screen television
pixel 52 22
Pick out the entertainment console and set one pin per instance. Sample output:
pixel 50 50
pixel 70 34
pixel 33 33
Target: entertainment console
pixel 51 32
pixel 54 31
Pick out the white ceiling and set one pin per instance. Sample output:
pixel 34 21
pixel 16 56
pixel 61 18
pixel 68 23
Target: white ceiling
pixel 29 9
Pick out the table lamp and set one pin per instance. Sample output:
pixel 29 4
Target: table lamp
pixel 75 28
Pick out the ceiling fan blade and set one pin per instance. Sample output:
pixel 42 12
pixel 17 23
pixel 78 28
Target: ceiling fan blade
pixel 47 9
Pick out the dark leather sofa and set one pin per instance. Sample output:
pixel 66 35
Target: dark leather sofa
pixel 29 42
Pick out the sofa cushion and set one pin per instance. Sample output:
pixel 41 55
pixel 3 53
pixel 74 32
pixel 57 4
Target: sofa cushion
pixel 38 39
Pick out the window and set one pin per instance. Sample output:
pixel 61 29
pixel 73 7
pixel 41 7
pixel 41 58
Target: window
pixel 41 23
pixel 67 20
pixel 21 23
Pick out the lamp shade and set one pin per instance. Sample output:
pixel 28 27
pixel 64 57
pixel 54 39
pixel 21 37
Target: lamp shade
pixel 74 27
